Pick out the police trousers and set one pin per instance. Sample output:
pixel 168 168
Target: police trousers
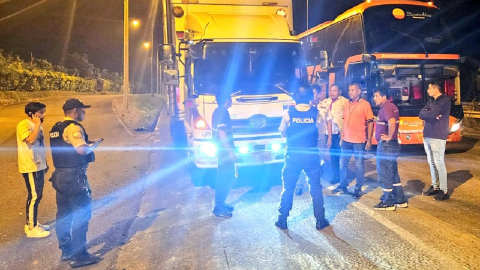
pixel 74 209
pixel 294 164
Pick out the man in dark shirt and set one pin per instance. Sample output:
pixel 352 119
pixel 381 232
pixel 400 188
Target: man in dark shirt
pixel 386 131
pixel 435 115
pixel 223 138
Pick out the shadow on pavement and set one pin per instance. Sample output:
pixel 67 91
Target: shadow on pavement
pixel 457 178
pixel 121 232
pixel 465 145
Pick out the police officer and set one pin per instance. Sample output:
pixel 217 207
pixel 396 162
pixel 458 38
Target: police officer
pixel 72 152
pixel 299 126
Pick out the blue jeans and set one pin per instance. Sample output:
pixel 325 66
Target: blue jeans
pixel 358 150
pixel 335 152
pixel 387 171
pixel 294 164
pixel 435 149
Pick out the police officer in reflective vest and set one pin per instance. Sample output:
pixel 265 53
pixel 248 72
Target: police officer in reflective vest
pixel 299 126
pixel 72 152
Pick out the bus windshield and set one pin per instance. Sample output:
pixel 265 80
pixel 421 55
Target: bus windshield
pixel 251 68
pixel 405 29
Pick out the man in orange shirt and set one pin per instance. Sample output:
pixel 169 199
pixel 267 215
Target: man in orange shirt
pixel 357 116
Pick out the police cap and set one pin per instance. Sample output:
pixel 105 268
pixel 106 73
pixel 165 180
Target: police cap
pixel 74 103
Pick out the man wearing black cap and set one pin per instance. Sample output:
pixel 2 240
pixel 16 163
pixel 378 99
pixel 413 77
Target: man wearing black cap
pixel 71 152
pixel 300 128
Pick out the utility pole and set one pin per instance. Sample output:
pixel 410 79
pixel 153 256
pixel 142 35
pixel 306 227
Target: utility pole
pixel 126 83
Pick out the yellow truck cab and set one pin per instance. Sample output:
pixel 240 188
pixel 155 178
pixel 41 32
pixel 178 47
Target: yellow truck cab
pixel 244 47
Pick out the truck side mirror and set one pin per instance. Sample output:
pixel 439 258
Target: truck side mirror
pixel 166 54
pixel 324 60
pixel 170 77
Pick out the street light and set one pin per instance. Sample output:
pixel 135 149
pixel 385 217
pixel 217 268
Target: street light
pixel 146 45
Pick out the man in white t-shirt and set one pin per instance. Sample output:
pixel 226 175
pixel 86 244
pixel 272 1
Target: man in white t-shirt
pixel 33 165
pixel 335 104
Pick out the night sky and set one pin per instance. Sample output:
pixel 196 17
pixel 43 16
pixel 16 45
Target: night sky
pixel 97 27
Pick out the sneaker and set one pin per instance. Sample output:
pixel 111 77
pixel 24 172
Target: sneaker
pixel 441 196
pixel 84 260
pixel 385 206
pixel 44 227
pixel 281 223
pixel 222 212
pixel 431 191
pixel 37 232
pixel 402 205
pixel 229 207
pixel 298 191
pixel 340 190
pixel 322 224
pixel 357 193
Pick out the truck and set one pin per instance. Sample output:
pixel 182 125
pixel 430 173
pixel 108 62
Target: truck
pixel 398 44
pixel 245 47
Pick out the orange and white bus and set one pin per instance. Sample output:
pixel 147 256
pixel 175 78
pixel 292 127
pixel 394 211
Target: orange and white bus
pixel 399 44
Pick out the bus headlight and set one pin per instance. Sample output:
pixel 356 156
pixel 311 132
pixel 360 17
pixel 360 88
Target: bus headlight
pixel 456 126
pixel 207 149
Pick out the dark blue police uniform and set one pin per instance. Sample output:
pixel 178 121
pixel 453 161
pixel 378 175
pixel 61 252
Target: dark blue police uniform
pixel 73 192
pixel 302 154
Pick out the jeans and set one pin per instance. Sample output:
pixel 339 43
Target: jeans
pixel 335 152
pixel 294 164
pixel 435 149
pixel 387 171
pixel 357 149
pixel 225 179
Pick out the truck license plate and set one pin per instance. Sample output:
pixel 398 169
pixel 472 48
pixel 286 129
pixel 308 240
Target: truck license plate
pixel 262 157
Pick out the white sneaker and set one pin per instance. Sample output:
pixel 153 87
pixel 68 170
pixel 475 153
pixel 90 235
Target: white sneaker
pixel 36 232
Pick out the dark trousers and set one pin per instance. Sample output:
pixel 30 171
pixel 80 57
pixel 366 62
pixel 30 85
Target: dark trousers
pixel 335 152
pixel 34 182
pixel 74 209
pixel 358 150
pixel 387 171
pixel 225 179
pixel 294 164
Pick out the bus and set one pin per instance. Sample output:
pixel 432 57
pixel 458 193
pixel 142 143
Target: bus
pixel 398 44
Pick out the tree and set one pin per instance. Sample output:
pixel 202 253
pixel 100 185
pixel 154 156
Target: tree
pixel 79 62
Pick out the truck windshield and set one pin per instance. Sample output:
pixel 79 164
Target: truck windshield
pixel 405 29
pixel 251 68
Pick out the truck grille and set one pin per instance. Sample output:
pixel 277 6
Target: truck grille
pixel 257 124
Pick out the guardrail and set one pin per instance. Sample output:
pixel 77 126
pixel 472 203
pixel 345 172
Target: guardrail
pixel 472 114
pixel 471 110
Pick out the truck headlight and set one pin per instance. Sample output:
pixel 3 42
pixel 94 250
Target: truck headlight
pixel 243 149
pixel 207 149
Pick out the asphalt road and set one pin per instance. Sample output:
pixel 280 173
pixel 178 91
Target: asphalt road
pixel 149 214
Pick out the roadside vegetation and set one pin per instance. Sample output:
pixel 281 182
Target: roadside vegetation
pixel 143 111
pixel 38 75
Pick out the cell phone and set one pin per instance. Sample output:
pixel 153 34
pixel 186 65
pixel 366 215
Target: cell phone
pixel 100 140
